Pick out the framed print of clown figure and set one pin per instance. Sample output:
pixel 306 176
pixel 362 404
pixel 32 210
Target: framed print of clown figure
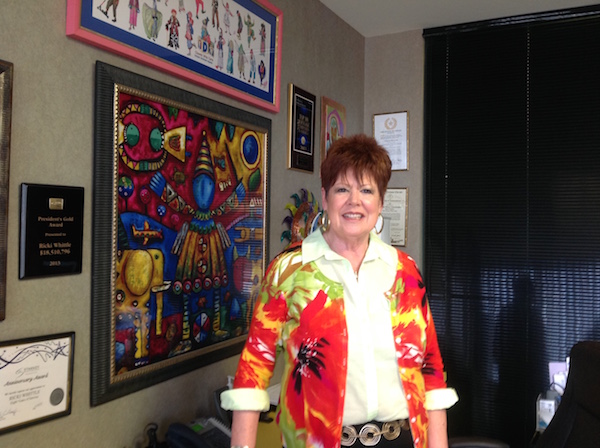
pixel 179 230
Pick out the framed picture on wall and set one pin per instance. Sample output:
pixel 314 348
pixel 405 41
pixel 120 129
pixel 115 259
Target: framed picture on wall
pixel 6 82
pixel 179 230
pixel 391 131
pixel 37 380
pixel 333 123
pixel 395 215
pixel 301 129
pixel 231 47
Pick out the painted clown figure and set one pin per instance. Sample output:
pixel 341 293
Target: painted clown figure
pixel 202 261
pixel 201 264
pixel 190 240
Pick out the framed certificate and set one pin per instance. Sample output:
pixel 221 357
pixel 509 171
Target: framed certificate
pixel 395 206
pixel 36 380
pixel 391 132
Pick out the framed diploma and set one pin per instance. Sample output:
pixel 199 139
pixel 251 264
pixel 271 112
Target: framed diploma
pixel 36 379
pixel 391 132
pixel 301 129
pixel 395 206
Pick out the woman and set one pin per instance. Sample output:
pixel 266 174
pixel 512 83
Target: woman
pixel 350 315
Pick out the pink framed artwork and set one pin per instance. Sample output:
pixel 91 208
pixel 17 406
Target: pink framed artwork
pixel 333 123
pixel 229 46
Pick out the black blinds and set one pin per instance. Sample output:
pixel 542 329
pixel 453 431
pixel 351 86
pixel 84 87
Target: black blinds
pixel 512 220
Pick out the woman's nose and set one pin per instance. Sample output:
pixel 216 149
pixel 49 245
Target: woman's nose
pixel 354 197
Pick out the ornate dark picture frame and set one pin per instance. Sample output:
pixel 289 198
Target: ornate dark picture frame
pixel 6 83
pixel 179 230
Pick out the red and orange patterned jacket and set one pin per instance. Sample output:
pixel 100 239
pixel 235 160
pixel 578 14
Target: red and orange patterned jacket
pixel 300 313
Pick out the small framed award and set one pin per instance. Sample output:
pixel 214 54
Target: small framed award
pixel 51 232
pixel 37 380
pixel 301 129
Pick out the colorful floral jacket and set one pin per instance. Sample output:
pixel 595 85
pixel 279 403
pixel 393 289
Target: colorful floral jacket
pixel 301 313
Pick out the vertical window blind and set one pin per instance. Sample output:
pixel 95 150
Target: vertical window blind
pixel 512 208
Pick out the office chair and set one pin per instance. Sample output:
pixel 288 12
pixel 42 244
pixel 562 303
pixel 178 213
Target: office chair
pixel 576 423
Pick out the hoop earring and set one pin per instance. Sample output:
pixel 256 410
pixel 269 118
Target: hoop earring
pixel 324 221
pixel 315 223
pixel 379 219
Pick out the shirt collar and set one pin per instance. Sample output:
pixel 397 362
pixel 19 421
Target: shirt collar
pixel 314 247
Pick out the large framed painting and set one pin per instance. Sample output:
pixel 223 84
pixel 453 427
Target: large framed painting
pixel 179 230
pixel 232 47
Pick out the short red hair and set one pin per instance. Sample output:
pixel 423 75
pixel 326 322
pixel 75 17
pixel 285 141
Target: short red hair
pixel 360 154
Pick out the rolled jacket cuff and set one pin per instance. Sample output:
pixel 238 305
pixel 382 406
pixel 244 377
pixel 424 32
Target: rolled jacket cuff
pixel 245 399
pixel 440 399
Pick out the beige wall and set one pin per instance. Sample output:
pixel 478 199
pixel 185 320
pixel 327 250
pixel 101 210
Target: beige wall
pixel 52 143
pixel 394 72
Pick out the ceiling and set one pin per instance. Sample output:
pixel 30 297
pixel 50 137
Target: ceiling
pixel 380 17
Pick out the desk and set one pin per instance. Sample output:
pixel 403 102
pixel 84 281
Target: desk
pixel 268 435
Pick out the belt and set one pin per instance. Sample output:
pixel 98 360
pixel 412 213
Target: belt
pixel 370 433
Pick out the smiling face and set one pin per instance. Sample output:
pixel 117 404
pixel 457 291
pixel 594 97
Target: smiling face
pixel 353 205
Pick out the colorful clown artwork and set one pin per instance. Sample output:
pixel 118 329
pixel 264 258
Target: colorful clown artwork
pixel 189 234
pixel 162 33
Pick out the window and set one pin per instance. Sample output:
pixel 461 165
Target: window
pixel 512 205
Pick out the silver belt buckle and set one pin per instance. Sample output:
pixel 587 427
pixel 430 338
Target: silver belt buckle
pixel 370 434
pixel 349 436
